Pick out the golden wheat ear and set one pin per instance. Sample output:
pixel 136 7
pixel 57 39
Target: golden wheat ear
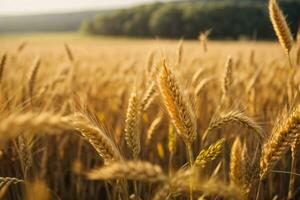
pixel 177 107
pixel 281 138
pixel 280 26
pixel 210 154
pixel 101 142
pixel 132 134
pixel 237 168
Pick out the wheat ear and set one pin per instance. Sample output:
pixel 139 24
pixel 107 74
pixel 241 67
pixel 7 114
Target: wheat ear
pixel 153 127
pixel 148 97
pixel 179 52
pixel 237 166
pixel 104 146
pixel 24 149
pixel 2 66
pixel 227 80
pixel 32 77
pixel 279 142
pixel 132 134
pixel 210 154
pixel 280 26
pixel 21 46
pixel 69 52
pixel 178 109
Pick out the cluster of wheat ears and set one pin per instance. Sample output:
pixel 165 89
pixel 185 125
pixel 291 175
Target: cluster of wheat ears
pixel 69 133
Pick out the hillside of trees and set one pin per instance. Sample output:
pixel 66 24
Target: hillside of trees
pixel 228 19
pixel 54 22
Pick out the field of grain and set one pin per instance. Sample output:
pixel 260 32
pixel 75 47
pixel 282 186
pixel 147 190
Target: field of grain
pixel 107 118
pixel 115 118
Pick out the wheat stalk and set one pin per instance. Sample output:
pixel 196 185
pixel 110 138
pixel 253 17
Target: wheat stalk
pixel 227 80
pixel 179 52
pixel 235 117
pixel 178 109
pixel 210 154
pixel 281 139
pixel 149 63
pixel 32 76
pixel 21 46
pixel 153 127
pixel 178 184
pixel 15 124
pixel 173 184
pixel 294 155
pixel 148 97
pixel 69 53
pixel 280 26
pixel 197 75
pixel 24 149
pixel 50 123
pixel 237 165
pixel 132 134
pixel 203 38
pixel 2 66
pixel 202 84
pixel 104 146
pixel 6 181
pixel 130 170
pixel 171 139
pixel 218 188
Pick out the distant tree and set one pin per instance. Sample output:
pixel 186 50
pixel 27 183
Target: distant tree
pixel 87 27
pixel 230 19
pixel 167 21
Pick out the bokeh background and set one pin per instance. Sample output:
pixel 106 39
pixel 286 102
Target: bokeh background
pixel 228 19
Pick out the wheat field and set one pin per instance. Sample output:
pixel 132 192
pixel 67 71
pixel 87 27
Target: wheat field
pixel 117 118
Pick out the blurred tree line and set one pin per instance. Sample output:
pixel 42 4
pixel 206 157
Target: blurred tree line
pixel 228 19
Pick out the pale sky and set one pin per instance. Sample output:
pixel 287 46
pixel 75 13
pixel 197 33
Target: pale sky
pixel 20 7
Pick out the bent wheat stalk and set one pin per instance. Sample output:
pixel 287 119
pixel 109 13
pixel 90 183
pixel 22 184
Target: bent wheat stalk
pixel 104 146
pixel 46 122
pixel 5 181
pixel 130 170
pixel 234 117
